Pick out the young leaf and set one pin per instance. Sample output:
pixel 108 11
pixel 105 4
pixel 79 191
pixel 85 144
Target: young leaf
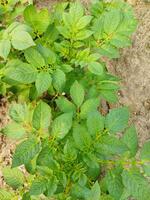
pixel 131 140
pixel 65 105
pixel 95 123
pixel 25 152
pixel 145 157
pixel 96 68
pixel 41 116
pixel 117 120
pixel 14 131
pixel 77 93
pixel 5 47
pixel 59 80
pixel 62 125
pixel 23 73
pixel 88 106
pixel 13 177
pixel 21 40
pixel 43 82
pixel 34 57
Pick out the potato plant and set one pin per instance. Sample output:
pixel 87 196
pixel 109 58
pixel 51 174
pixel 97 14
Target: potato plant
pixel 52 65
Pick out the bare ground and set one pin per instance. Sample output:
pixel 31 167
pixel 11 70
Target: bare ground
pixel 134 69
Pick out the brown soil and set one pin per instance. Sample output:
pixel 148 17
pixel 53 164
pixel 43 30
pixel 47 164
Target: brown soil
pixel 134 69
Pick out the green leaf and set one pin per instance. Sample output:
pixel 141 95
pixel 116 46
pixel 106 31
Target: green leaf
pixel 21 40
pixel 62 125
pixel 38 187
pixel 95 123
pixel 45 158
pixel 83 22
pixel 5 47
pixel 131 140
pixel 25 152
pixel 110 145
pixel 23 73
pixel 65 105
pixel 96 68
pixel 77 93
pixel 114 185
pixel 64 31
pixel 14 131
pixel 13 177
pixel 18 112
pixel 34 57
pixel 145 157
pixel 5 195
pixel 95 192
pixel 83 34
pixel 89 106
pixel 117 120
pixel 41 116
pixel 51 186
pixel 38 20
pixel 111 21
pixel 43 82
pixel 136 185
pixel 59 80
pixel 81 137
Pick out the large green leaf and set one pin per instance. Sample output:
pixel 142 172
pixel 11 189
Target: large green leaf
pixel 21 40
pixel 83 22
pixel 65 105
pixel 13 177
pixel 95 123
pixel 59 80
pixel 117 120
pixel 18 112
pixel 41 116
pixel 4 48
pixel 131 140
pixel 88 106
pixel 95 192
pixel 14 130
pixel 23 73
pixel 81 137
pixel 77 93
pixel 25 152
pixel 136 185
pixel 39 21
pixel 34 57
pixel 96 68
pixel 38 186
pixel 43 82
pixel 62 125
pixel 114 185
pixel 111 21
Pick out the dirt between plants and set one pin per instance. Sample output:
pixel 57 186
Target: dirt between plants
pixel 133 67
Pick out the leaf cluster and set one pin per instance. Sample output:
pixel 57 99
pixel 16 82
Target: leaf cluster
pixel 52 64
